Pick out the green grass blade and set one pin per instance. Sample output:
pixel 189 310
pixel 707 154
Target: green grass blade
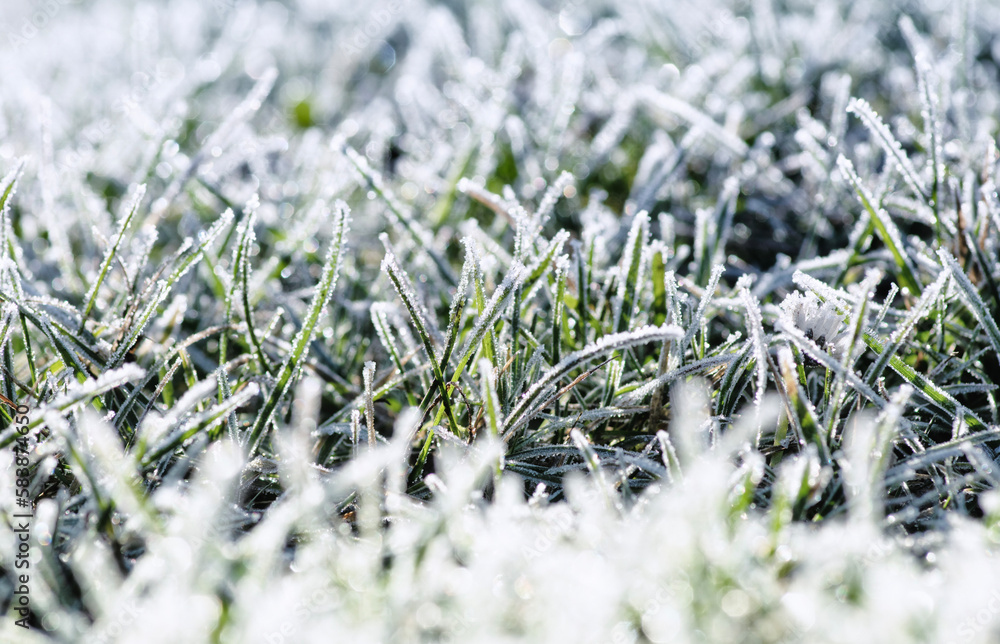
pixel 457 308
pixel 491 312
pixel 973 299
pixel 109 255
pixel 293 362
pixel 630 280
pixel 491 402
pixel 887 230
pixel 923 386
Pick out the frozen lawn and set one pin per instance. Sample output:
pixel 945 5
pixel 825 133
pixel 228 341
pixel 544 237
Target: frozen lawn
pixel 504 321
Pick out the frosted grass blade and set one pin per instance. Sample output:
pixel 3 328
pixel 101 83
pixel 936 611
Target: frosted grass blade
pixel 887 230
pixel 892 147
pixel 112 251
pixel 973 299
pixel 293 361
pixel 528 406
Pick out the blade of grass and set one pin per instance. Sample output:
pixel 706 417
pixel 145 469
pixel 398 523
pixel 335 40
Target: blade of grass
pixel 401 282
pixel 892 147
pixel 200 421
pixel 457 308
pixel 973 299
pixel 887 230
pixel 368 375
pixel 163 287
pixel 112 251
pixel 527 406
pixel 293 361
pixel 491 312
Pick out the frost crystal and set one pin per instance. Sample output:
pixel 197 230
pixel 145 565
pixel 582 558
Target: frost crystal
pixel 818 321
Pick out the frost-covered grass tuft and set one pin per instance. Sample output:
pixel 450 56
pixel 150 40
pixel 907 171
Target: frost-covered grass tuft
pixel 499 321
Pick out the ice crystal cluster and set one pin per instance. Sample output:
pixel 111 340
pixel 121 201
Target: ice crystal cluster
pixel 535 320
pixel 818 321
